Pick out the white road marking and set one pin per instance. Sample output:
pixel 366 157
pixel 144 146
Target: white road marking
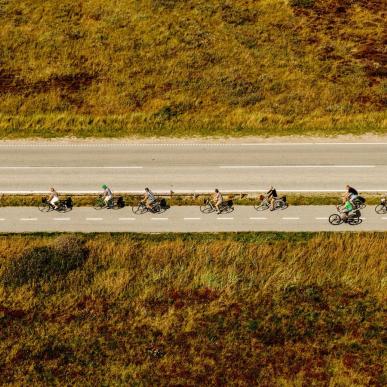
pixel 28 219
pixel 384 218
pixel 292 166
pixel 67 167
pixel 258 218
pixel 225 218
pixel 122 144
pixel 159 218
pixel 290 218
pixel 2 219
pixel 192 218
pixel 94 218
pixel 60 219
pixel 123 219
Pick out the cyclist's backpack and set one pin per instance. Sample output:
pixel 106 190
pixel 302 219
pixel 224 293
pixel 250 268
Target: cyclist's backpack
pixel 44 200
pixel 360 199
pixel 120 202
pixel 69 202
pixel 163 203
pixel 284 199
pixel 230 203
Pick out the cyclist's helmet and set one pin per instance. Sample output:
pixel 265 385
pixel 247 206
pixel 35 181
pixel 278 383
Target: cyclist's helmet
pixel 104 186
pixel 216 190
pixel 147 189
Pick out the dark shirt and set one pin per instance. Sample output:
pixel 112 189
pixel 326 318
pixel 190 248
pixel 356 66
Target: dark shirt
pixel 352 191
pixel 272 193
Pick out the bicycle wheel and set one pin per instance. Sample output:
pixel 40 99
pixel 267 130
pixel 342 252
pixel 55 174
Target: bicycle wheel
pixel 227 209
pixel 280 204
pixel 156 209
pixel 261 206
pixel 44 207
pixel 99 204
pixel 139 209
pixel 206 209
pixel 381 209
pixel 335 219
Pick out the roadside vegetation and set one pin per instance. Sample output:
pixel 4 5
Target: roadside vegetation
pixel 191 68
pixel 188 200
pixel 205 309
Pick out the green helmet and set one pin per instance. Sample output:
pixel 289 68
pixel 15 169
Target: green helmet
pixel 104 186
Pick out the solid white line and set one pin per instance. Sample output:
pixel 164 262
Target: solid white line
pixel 225 218
pixel 191 218
pixel 292 166
pixel 159 218
pixel 60 167
pixel 61 218
pixel 28 219
pixel 122 144
pixel 196 191
pixel 94 218
pixel 258 218
pixel 126 219
pixel 290 218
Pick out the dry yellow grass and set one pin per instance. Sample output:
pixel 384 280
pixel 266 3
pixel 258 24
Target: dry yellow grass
pixel 246 309
pixel 197 67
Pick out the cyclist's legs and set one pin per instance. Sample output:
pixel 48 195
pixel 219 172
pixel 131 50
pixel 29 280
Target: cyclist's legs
pixel 108 200
pixel 217 205
pixel 54 202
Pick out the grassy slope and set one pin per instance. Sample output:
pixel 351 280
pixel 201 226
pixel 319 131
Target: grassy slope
pixel 248 309
pixel 181 68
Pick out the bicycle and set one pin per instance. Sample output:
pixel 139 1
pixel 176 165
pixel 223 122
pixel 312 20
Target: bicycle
pixel 141 208
pixel 264 204
pixel 359 202
pixel 382 207
pixel 352 219
pixel 225 207
pixel 62 205
pixel 114 203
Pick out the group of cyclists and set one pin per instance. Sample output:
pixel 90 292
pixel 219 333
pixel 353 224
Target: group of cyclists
pixel 149 198
pixel 351 201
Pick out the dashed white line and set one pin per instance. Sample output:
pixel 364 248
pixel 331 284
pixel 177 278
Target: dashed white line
pixel 2 219
pixel 225 218
pixel 28 219
pixel 384 218
pixel 61 219
pixel 125 219
pixel 192 218
pixel 291 218
pixel 159 218
pixel 94 219
pixel 68 167
pixel 258 218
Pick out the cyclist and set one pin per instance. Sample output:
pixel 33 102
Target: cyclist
pixel 107 195
pixel 149 198
pixel 53 199
pixel 345 211
pixel 217 200
pixel 351 194
pixel 271 197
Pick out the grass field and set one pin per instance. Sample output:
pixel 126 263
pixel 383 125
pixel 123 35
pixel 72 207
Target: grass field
pixel 191 68
pixel 227 309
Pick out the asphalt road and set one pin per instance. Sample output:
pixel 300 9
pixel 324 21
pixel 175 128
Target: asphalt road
pixel 191 167
pixel 183 219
